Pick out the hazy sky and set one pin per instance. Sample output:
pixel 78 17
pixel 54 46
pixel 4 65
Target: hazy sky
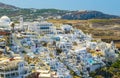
pixel 106 6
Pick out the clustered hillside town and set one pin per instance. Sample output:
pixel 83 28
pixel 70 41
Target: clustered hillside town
pixel 41 49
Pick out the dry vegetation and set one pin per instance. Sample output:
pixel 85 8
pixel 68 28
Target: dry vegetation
pixel 106 30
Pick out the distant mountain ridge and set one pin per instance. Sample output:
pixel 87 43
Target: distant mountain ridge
pixel 30 13
pixel 6 6
pixel 84 15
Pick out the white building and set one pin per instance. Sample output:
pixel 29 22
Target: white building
pixel 13 68
pixel 67 28
pixel 44 27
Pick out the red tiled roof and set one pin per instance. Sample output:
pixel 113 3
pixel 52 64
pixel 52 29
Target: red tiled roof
pixel 4 33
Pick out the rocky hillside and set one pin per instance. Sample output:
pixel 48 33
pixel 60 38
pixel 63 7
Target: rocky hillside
pixel 33 14
pixel 84 15
pixel 6 6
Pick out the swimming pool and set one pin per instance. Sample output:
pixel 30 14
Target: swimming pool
pixel 90 61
